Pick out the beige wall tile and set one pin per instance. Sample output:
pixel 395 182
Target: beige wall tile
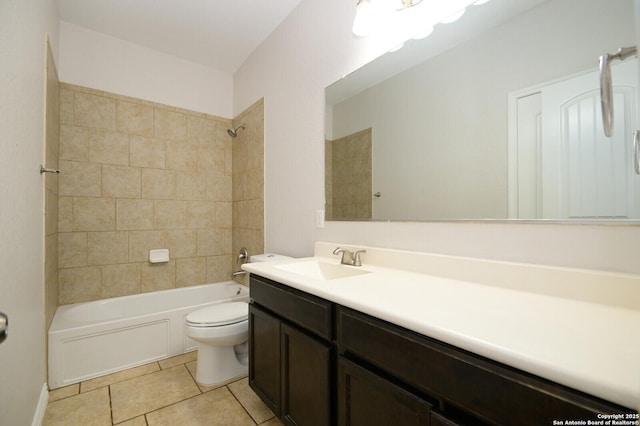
pixel 181 155
pixel 168 214
pixel 191 271
pixel 80 179
pixel 146 152
pixel 66 105
pixel 158 276
pixel 139 176
pixel 134 118
pixel 219 268
pixel 169 124
pixel 212 242
pixel 121 181
pixel 72 249
pixel 219 188
pixel 224 215
pixel 120 280
pixel 74 143
pixel 94 111
pixel 108 147
pixel 211 159
pixel 141 242
pixel 158 184
pixel 181 242
pixel 94 214
pixel 79 284
pixel 134 214
pixel 201 214
pixel 191 186
pixel 201 130
pixel 104 248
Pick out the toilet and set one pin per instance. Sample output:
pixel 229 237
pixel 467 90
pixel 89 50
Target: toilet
pixel 221 332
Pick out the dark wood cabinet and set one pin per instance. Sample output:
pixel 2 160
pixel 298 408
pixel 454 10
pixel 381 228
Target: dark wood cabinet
pixel 290 353
pixel 316 363
pixel 465 387
pixel 264 356
pixel 305 368
pixel 367 399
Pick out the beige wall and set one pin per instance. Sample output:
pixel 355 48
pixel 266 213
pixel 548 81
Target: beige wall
pixel 248 183
pixel 348 162
pixel 138 176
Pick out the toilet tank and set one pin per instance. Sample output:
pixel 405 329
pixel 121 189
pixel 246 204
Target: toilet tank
pixel 268 257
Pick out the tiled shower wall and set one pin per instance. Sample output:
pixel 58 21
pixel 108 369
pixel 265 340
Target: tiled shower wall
pixel 349 193
pixel 51 190
pixel 137 176
pixel 248 183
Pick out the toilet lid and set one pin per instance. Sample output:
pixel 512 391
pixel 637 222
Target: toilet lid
pixel 220 314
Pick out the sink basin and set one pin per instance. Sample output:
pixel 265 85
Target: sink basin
pixel 320 270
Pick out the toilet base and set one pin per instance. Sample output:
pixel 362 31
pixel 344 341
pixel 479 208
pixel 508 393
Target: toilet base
pixel 218 365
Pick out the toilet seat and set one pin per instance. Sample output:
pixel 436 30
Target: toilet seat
pixel 219 315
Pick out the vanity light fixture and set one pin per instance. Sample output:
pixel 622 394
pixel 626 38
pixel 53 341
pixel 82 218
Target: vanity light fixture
pixel 414 18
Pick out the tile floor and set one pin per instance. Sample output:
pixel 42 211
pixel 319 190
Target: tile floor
pixel 159 393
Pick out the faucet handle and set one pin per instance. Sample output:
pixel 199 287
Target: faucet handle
pixel 347 257
pixel 356 258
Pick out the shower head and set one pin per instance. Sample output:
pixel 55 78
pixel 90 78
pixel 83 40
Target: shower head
pixel 234 132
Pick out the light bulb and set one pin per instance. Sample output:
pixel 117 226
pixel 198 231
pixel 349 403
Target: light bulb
pixel 454 17
pixel 364 20
pixel 425 32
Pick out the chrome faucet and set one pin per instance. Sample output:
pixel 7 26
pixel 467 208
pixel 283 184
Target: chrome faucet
pixel 349 258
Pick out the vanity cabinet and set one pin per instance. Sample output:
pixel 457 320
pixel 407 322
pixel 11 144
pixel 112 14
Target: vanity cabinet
pixel 465 388
pixel 316 363
pixel 290 352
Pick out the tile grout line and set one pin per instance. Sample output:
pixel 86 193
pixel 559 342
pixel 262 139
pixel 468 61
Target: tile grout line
pixel 241 404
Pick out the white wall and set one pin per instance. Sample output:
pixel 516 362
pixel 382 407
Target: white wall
pixel 102 62
pixel 23 24
pixel 313 48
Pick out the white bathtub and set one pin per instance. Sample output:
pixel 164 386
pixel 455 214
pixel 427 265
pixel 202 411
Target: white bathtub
pixel 92 339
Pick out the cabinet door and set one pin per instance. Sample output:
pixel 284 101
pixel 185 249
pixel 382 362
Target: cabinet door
pixel 365 399
pixel 306 381
pixel 264 357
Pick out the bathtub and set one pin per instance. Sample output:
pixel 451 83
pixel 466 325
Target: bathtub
pixel 91 339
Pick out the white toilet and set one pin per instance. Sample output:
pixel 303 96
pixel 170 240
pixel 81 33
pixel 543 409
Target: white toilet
pixel 221 332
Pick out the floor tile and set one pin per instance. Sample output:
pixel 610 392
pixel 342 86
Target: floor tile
pixel 273 422
pixel 193 368
pixel 177 360
pixel 134 397
pixel 250 401
pixel 86 409
pixel 138 421
pixel 64 392
pixel 120 376
pixel 217 407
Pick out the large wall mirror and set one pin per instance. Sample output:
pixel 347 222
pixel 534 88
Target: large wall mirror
pixel 494 116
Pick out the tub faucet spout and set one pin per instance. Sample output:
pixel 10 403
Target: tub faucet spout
pixel 236 273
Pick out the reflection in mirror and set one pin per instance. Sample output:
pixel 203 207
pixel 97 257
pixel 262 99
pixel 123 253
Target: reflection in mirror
pixel 492 117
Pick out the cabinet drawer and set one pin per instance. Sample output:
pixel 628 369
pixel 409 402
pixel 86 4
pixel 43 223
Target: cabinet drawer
pixel 309 312
pixel 481 387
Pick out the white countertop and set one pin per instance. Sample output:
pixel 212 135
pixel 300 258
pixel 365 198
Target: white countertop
pixel 581 343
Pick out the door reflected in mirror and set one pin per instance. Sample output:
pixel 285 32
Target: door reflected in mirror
pixel 481 120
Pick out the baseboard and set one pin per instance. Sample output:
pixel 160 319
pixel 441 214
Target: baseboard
pixel 38 416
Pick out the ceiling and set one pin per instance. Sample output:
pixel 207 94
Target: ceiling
pixel 220 34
